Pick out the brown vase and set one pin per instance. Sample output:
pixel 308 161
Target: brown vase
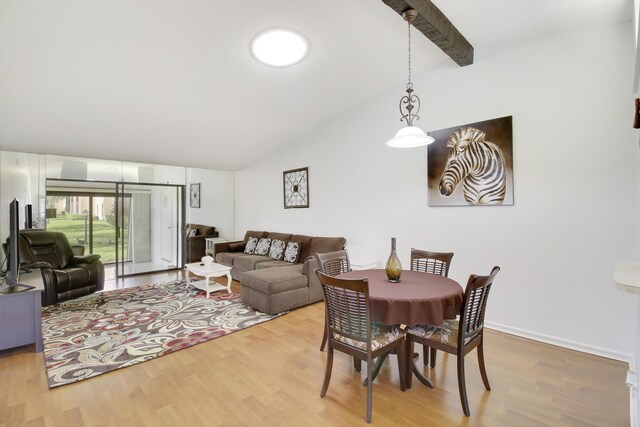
pixel 393 267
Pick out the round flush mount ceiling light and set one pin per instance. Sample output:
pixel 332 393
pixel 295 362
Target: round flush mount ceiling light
pixel 279 47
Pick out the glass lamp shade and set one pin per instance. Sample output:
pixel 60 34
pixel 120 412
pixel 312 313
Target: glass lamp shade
pixel 410 136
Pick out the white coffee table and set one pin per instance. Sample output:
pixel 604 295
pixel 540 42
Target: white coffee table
pixel 209 271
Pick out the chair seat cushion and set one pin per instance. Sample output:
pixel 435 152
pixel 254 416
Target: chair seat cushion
pixel 381 335
pixel 447 333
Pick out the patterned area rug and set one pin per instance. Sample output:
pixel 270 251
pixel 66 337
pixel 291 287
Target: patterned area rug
pixel 102 332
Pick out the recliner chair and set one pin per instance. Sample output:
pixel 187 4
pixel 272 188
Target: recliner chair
pixel 65 275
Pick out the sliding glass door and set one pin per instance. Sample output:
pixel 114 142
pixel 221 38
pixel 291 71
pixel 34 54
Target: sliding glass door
pixel 149 218
pixel 136 228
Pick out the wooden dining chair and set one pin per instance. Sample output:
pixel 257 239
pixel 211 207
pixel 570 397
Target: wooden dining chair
pixel 351 331
pixel 332 264
pixel 457 337
pixel 434 263
pixel 431 262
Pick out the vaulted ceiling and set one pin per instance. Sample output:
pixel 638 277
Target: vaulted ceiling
pixel 173 82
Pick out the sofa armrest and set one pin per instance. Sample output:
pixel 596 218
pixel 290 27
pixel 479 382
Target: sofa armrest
pixel 50 294
pixel 85 259
pixel 315 288
pixel 224 246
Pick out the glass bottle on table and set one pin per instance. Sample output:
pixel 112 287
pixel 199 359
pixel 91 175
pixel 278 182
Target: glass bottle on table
pixel 393 266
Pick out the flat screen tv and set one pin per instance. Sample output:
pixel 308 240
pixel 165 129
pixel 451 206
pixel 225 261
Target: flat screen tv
pixel 11 280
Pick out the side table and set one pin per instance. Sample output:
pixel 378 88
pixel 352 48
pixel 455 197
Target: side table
pixel 210 242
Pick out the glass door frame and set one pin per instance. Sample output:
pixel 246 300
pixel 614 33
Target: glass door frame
pixel 120 187
pixel 179 223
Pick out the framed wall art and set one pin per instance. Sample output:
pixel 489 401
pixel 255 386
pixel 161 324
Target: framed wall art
pixel 194 195
pixel 296 188
pixel 472 164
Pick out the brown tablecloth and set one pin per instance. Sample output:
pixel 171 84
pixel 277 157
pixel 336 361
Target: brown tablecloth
pixel 418 298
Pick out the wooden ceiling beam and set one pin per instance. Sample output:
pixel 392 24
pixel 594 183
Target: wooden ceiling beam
pixel 433 24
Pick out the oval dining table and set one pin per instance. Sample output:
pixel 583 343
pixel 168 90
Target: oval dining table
pixel 418 298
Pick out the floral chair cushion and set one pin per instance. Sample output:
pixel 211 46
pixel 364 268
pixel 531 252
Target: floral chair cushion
pixel 277 249
pixel 447 333
pixel 251 245
pixel 263 246
pixel 381 335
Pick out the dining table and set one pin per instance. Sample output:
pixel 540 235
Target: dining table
pixel 418 298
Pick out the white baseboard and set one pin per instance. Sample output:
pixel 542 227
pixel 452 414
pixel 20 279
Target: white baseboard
pixel 634 399
pixel 573 345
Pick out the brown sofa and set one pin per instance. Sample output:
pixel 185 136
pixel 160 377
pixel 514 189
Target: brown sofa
pixel 273 286
pixel 195 245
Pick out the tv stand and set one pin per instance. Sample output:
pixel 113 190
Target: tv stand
pixel 21 313
pixel 14 289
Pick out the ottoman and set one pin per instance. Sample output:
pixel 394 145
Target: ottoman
pixel 273 290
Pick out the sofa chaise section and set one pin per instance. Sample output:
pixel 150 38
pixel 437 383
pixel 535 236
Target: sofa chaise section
pixel 273 286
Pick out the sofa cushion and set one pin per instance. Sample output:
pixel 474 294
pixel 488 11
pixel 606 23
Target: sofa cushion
pixel 272 263
pixel 200 230
pixel 275 280
pixel 292 252
pixel 263 246
pixel 248 262
pixel 279 236
pixel 228 258
pixel 250 247
pixel 305 246
pixel 276 251
pixel 320 245
pixel 205 230
pixel 252 233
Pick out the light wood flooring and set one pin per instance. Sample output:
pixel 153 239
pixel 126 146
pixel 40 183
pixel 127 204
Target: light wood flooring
pixel 270 375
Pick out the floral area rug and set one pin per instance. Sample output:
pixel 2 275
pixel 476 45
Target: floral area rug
pixel 98 333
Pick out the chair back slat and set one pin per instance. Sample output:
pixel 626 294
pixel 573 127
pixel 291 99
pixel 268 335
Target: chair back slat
pixel 347 302
pixel 474 305
pixel 333 263
pixel 431 262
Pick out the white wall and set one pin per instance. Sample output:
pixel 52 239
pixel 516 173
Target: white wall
pixel 216 200
pixel 19 174
pixel 575 178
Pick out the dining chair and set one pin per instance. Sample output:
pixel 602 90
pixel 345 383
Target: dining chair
pixel 457 337
pixel 351 331
pixel 434 263
pixel 431 262
pixel 332 264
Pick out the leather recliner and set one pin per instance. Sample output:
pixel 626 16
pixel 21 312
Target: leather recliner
pixel 65 275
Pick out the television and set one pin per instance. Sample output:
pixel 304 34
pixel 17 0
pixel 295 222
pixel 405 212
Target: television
pixel 11 283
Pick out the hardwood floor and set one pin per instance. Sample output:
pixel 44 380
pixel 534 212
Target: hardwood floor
pixel 271 374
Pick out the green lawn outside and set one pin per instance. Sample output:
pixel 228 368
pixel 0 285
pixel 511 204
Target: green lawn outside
pixel 73 226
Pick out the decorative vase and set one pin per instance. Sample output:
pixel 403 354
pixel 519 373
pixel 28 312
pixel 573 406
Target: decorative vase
pixel 393 267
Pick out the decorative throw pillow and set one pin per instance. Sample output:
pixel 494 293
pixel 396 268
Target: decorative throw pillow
pixel 263 246
pixel 277 249
pixel 292 252
pixel 192 232
pixel 251 245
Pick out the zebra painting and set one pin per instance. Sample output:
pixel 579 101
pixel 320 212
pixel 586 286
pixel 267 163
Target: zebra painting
pixel 478 164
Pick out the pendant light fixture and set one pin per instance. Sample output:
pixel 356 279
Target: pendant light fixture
pixel 410 135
